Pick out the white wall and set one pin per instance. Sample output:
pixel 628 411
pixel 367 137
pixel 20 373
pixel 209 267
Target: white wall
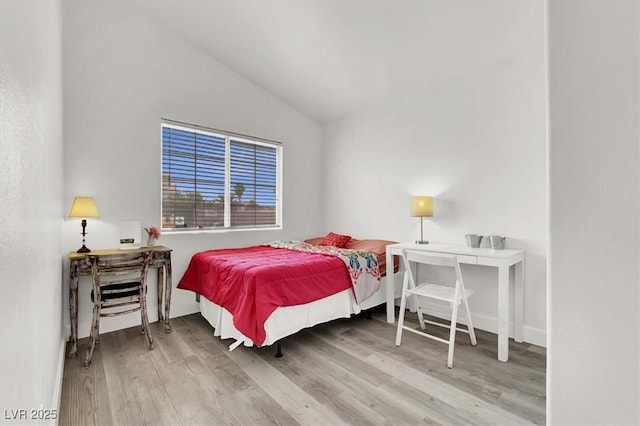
pixel 476 143
pixel 123 73
pixel 31 346
pixel 594 353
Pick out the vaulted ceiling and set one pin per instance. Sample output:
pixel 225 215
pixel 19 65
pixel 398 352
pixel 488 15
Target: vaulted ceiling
pixel 331 58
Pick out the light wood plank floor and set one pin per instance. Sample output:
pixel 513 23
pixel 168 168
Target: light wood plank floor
pixel 343 372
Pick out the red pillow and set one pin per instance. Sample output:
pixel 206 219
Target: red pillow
pixel 335 240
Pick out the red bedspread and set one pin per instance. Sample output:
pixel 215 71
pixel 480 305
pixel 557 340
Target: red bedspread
pixel 252 282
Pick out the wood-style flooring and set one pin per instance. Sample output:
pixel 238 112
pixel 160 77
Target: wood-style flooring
pixel 344 372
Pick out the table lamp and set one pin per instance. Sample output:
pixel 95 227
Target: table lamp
pixel 422 206
pixel 83 207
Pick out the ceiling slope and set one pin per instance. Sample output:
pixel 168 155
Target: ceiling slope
pixel 329 59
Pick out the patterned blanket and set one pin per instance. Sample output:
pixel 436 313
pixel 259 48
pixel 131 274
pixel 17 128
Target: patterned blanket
pixel 362 265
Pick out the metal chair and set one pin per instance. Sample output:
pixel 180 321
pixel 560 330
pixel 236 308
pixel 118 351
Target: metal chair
pixel 118 282
pixel 454 295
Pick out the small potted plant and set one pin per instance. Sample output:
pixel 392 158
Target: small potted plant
pixel 153 234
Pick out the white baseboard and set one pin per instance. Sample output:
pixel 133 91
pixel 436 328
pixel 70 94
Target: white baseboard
pixel 185 309
pixel 535 336
pixel 531 335
pixel 57 391
pixel 133 319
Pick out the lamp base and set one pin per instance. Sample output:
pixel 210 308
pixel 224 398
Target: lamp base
pixel 422 242
pixel 83 249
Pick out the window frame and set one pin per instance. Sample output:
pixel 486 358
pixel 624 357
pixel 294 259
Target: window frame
pixel 229 138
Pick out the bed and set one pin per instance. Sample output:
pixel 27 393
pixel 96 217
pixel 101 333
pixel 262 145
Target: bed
pixel 308 282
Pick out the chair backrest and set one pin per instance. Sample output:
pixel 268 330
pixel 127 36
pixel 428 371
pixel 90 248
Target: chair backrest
pixel 122 264
pixel 430 258
pixel 119 280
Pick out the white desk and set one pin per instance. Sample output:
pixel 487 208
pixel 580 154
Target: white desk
pixel 501 259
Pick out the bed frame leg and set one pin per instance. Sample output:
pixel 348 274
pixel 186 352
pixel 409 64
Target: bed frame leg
pixel 367 315
pixel 278 350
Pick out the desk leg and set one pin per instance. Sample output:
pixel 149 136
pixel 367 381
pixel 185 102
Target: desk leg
pixel 391 312
pixel 503 313
pixel 167 296
pixel 161 274
pixel 73 308
pixel 518 332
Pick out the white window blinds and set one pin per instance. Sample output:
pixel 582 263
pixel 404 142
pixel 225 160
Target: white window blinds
pixel 213 179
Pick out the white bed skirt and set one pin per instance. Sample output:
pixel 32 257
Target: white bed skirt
pixel 288 320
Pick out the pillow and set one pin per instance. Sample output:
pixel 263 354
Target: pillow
pixel 335 240
pixel 377 247
pixel 315 241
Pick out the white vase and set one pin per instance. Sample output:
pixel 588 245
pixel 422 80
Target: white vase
pixel 150 241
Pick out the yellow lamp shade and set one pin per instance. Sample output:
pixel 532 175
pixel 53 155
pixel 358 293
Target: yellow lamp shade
pixel 422 206
pixel 83 207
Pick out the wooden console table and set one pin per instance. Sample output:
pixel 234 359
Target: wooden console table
pixel 79 265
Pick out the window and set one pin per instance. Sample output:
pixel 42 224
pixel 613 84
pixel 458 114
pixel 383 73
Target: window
pixel 214 179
